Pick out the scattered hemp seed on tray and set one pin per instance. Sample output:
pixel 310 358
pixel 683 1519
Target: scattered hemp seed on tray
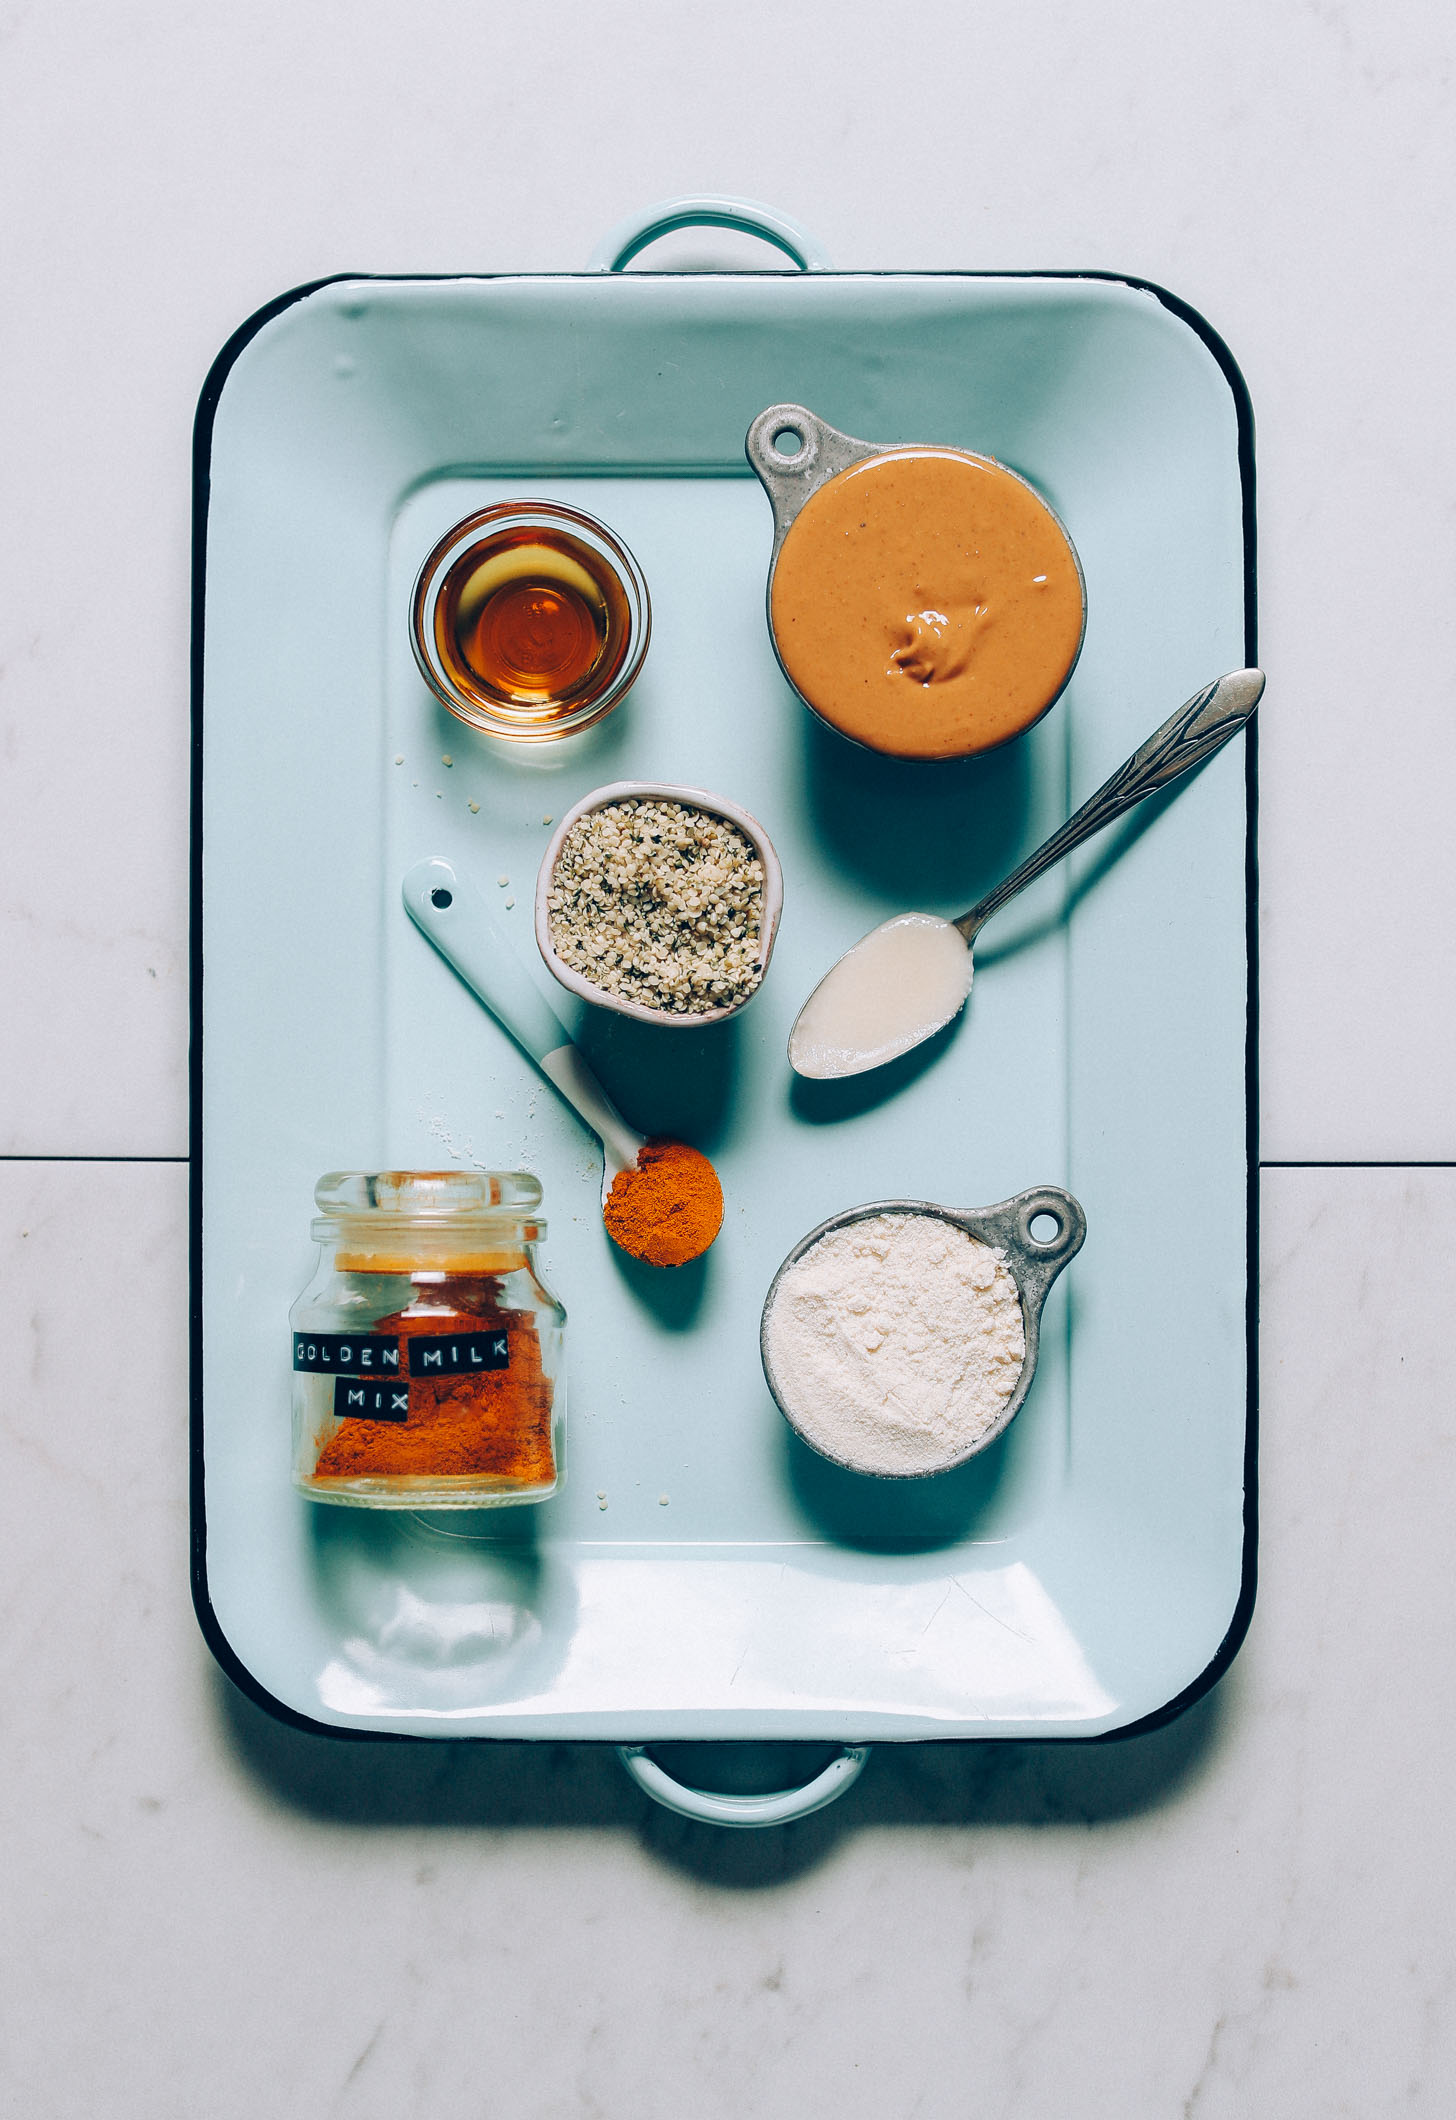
pixel 659 903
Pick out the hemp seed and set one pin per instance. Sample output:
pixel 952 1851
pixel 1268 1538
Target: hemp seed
pixel 659 903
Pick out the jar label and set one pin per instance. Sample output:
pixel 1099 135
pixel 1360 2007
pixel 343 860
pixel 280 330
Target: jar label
pixel 366 1365
pixel 359 1354
pixel 357 1400
pixel 443 1354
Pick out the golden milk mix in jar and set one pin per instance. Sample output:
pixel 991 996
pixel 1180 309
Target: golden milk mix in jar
pixel 426 1352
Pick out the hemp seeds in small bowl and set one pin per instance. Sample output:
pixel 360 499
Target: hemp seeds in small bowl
pixel 659 902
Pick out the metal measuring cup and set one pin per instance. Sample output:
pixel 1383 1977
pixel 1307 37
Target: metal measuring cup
pixel 795 454
pixel 1032 1262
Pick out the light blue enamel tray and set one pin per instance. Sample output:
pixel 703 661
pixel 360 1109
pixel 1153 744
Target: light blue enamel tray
pixel 1095 1568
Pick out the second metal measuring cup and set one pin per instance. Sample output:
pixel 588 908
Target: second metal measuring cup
pixel 1032 1261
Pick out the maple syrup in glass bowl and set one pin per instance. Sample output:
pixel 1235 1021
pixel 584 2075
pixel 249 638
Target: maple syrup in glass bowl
pixel 530 620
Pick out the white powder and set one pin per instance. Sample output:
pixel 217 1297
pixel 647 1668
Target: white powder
pixel 896 1342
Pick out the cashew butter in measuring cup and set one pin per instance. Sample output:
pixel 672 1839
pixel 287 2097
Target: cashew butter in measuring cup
pixel 924 601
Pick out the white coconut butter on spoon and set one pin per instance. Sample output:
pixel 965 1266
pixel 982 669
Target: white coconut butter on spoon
pixel 907 978
pixel 894 988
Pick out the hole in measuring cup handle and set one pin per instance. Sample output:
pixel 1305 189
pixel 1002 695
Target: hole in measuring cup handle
pixel 784 442
pixel 1050 1227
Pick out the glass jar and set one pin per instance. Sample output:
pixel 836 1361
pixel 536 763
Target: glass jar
pixel 427 1353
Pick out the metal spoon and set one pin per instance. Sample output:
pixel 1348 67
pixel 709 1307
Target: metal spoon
pixel 907 978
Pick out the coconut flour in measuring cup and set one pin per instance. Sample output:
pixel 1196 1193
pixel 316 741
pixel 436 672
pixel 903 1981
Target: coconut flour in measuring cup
pixel 895 1342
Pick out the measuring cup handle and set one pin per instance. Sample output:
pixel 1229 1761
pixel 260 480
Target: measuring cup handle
pixel 794 452
pixel 1037 1261
pixel 775 1810
pixel 706 210
pixel 1066 1211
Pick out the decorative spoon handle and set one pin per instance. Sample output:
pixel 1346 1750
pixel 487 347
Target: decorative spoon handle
pixel 1198 729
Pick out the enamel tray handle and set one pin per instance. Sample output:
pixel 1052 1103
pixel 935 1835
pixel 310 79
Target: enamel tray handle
pixel 707 210
pixel 777 1809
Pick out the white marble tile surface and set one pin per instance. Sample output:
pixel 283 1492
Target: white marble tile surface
pixel 1246 1913
pixel 1283 167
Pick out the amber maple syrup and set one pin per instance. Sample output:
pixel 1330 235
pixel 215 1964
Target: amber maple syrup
pixel 532 617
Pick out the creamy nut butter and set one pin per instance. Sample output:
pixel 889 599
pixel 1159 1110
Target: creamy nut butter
pixel 927 603
pixel 898 985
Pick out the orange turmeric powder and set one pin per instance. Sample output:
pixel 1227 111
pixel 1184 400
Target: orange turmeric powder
pixel 494 1422
pixel 669 1209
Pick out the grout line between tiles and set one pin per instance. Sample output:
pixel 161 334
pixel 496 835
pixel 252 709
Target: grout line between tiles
pixel 94 1159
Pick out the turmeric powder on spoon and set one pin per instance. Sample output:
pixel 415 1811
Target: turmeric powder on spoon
pixel 668 1208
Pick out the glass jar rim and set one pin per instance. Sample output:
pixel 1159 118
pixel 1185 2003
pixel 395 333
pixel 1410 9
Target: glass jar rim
pixel 429 1199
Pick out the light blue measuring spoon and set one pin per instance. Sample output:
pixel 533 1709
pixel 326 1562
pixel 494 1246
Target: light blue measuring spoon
pixel 451 911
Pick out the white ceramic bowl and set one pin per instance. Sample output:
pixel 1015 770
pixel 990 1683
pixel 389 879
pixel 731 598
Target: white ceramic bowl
pixel 698 799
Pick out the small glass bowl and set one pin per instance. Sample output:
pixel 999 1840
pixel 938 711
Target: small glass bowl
pixel 539 714
pixel 690 798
